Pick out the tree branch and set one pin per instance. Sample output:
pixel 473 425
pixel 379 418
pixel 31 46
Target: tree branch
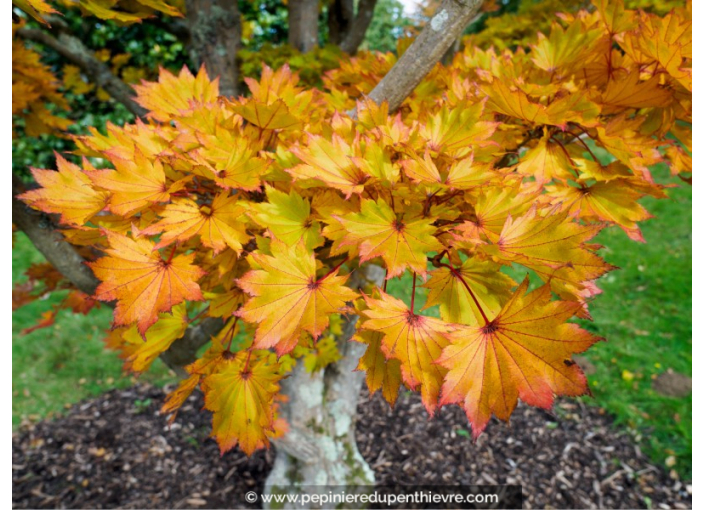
pixel 43 234
pixel 356 33
pixel 73 50
pixel 183 351
pixel 451 18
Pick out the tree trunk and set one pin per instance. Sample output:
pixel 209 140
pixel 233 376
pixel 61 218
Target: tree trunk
pixel 320 448
pixel 356 32
pixel 340 20
pixel 303 24
pixel 215 39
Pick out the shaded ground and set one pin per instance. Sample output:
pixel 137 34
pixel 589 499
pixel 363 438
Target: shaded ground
pixel 117 451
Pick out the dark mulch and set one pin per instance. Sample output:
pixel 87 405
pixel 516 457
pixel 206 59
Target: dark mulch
pixel 117 451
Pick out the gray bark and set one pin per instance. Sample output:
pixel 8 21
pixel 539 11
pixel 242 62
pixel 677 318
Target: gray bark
pixel 320 447
pixel 303 24
pixel 215 31
pixel 448 23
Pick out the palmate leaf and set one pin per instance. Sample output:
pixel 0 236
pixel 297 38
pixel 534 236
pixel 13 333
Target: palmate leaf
pixel 218 224
pixel 35 8
pixel 173 95
pixel 515 103
pixel 455 130
pixel 546 161
pixel 288 217
pixel 401 242
pixel 414 340
pixel 563 47
pixel 230 160
pixel 68 192
pixel 134 184
pixel 492 208
pixel 268 116
pixel 524 352
pixel 463 174
pixel 329 162
pixel 142 282
pixel 140 352
pixel 553 246
pixel 240 393
pixel 630 92
pixel 612 202
pixel 287 297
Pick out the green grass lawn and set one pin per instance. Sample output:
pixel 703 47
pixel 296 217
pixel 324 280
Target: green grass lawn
pixel 644 313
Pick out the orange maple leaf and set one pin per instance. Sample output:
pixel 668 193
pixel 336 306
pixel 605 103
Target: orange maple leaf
pixel 288 217
pixel 140 352
pixel 524 352
pixel 240 393
pixel 554 246
pixel 546 161
pixel 453 131
pixel 401 242
pixel 68 192
pixel 288 298
pixel 134 184
pixel 515 103
pixel 36 9
pixel 416 341
pixel 268 116
pixel 329 162
pixel 446 288
pixel 172 96
pixel 143 283
pixel 229 159
pixel 218 224
pixel 612 202
pixel 464 174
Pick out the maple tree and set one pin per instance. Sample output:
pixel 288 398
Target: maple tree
pixel 266 225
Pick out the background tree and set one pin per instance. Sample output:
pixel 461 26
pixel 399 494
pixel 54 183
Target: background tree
pixel 486 156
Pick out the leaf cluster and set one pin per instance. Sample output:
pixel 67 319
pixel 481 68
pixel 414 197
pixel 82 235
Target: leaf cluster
pixel 258 209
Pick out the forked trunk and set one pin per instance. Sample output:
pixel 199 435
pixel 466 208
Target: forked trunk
pixel 320 448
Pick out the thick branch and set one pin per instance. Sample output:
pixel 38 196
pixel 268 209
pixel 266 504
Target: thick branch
pixel 73 50
pixel 43 234
pixel 451 18
pixel 355 34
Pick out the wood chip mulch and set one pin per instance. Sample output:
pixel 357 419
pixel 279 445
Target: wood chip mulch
pixel 117 451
